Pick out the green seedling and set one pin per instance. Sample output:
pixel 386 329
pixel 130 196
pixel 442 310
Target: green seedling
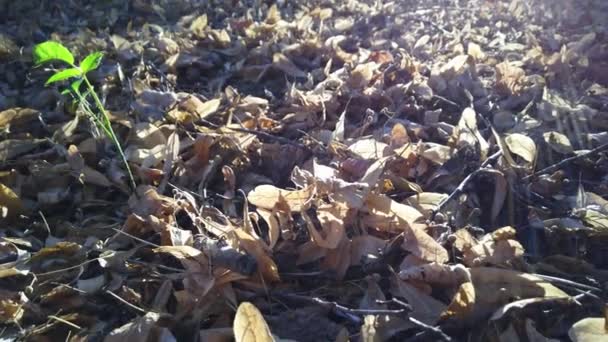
pixel 51 51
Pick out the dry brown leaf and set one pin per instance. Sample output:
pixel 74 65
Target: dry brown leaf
pixel 274 15
pixel 309 252
pixel 330 217
pixel 208 108
pixel 249 325
pixel 424 307
pixel 474 50
pixel 495 287
pixel 370 149
pixel 199 25
pixel 12 306
pixel 199 280
pixel 147 135
pixel 496 248
pixel 268 196
pixel 362 75
pixel 274 232
pixel 456 66
pixel 509 79
pixel 462 304
pixel 256 248
pixel 385 214
pixel 389 210
pixel 426 202
pixel 399 136
pixel 463 240
pixel 422 245
pixel 338 259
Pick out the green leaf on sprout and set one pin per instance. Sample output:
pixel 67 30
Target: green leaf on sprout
pixel 74 89
pixel 91 62
pixel 64 75
pixel 75 86
pixel 51 51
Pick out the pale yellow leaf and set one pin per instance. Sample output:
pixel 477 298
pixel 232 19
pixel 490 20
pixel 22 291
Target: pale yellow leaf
pixel 558 142
pixel 591 329
pixel 522 146
pixel 249 325
pixel 10 203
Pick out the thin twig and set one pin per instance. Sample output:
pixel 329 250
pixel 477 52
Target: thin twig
pixel 119 298
pixel 151 244
pixel 566 282
pixel 333 306
pixel 259 134
pixel 560 164
pixel 460 188
pixel 59 319
pixel 437 334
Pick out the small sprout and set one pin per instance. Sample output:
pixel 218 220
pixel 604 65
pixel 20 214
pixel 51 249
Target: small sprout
pixel 53 51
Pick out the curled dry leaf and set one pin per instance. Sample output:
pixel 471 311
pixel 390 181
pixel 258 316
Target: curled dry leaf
pixel 250 326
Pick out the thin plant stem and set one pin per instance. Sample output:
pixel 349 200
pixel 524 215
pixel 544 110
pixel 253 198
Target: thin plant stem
pixel 107 127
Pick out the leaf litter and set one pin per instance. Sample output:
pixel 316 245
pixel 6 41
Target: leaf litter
pixel 307 171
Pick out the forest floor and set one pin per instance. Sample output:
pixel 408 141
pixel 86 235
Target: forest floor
pixel 307 171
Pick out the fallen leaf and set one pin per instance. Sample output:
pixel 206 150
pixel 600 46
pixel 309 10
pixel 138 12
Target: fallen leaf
pixel 10 203
pixel 590 329
pixel 522 146
pixel 462 303
pixel 249 325
pixel 558 142
pixel 267 196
